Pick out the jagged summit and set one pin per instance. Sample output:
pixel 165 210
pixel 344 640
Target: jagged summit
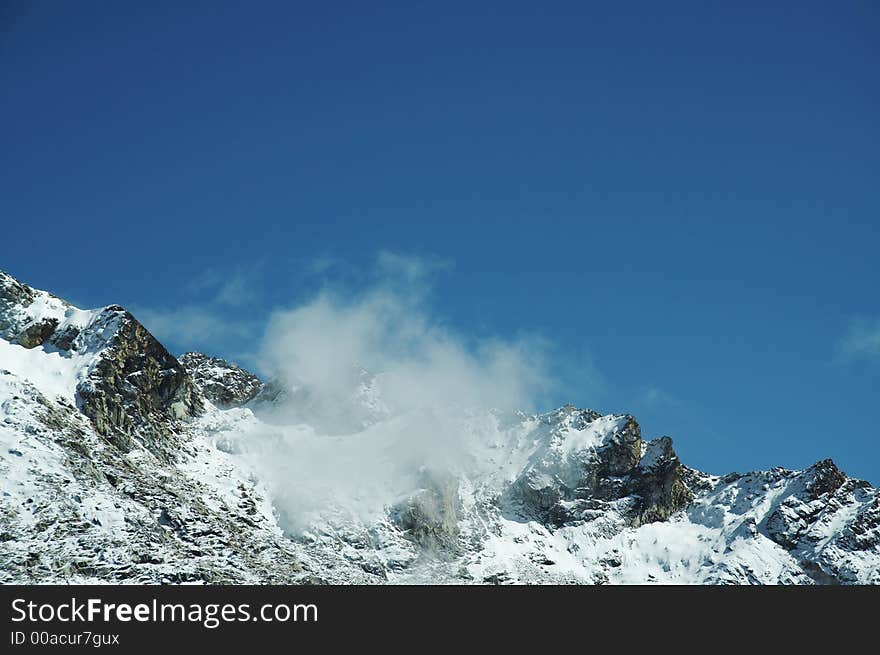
pixel 102 479
pixel 120 376
pixel 120 462
pixel 223 383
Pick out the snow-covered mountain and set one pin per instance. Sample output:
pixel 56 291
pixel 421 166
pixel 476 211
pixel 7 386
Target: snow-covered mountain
pixel 120 462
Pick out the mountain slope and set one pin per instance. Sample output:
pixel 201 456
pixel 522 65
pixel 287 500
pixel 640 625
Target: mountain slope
pixel 120 462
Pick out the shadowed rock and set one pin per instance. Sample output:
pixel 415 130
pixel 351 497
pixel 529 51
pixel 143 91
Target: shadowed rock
pixel 137 388
pixel 223 383
pixel 646 481
pixel 658 484
pixel 37 333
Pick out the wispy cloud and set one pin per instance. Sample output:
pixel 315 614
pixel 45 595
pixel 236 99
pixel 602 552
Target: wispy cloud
pixel 360 441
pixel 379 316
pixel 654 396
pixel 405 273
pixel 378 384
pixel 861 340
pixel 192 325
pixel 217 315
pixel 388 326
pixel 321 265
pixel 410 269
pixel 235 288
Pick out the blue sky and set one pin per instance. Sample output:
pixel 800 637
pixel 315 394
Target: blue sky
pixel 680 198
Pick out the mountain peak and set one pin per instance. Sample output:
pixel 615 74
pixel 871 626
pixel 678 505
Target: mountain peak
pixel 224 383
pixel 121 377
pixel 122 462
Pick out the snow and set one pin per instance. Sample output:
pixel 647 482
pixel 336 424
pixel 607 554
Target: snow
pixel 720 538
pixel 592 436
pixel 652 453
pixel 55 373
pixel 330 499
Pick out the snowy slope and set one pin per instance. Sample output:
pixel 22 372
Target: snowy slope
pixel 119 462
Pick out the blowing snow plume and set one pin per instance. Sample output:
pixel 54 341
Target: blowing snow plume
pixel 372 390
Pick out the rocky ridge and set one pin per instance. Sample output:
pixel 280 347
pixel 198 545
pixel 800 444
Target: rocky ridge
pixel 120 462
pixel 223 383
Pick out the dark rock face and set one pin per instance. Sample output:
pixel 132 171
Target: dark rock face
pixel 65 338
pixel 826 478
pixel 137 388
pixel 622 452
pixel 223 383
pixel 134 386
pixel 37 333
pixel 658 484
pixel 648 486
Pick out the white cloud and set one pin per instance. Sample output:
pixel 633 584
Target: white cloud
pixel 341 436
pixel 861 340
pixel 388 330
pixel 327 446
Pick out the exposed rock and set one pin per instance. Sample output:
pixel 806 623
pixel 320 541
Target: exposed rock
pixel 13 297
pixel 31 317
pixel 863 533
pixel 272 391
pixel 430 516
pixel 223 383
pixel 564 485
pixel 622 452
pixel 92 513
pixel 124 478
pixel 658 483
pixel 137 389
pixel 826 478
pixel 64 338
pixel 37 333
pixel 695 481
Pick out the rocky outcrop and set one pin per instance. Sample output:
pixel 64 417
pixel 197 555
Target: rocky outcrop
pixel 114 469
pixel 133 388
pixel 823 478
pixel 808 514
pixel 37 333
pixel 31 318
pixel 430 516
pixel 565 484
pixel 74 510
pixel 136 389
pixel 14 296
pixel 657 484
pixel 863 533
pixel 223 383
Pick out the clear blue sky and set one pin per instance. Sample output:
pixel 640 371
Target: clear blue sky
pixel 682 197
